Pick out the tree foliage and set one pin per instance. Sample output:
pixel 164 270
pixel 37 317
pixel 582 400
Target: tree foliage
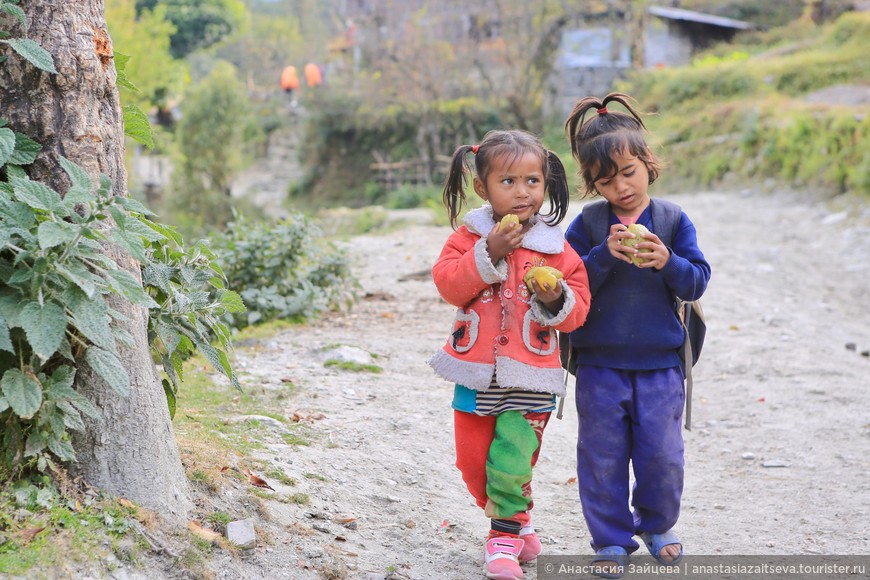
pixel 216 125
pixel 157 76
pixel 198 23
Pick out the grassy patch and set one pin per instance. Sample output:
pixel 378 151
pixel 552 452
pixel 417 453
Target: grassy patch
pixel 316 476
pixel 352 366
pixel 40 530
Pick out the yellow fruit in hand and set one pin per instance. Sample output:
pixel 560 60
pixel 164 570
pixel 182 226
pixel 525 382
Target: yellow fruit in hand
pixel 543 275
pixel 638 230
pixel 510 218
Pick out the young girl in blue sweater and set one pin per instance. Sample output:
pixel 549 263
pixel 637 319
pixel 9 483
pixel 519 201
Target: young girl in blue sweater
pixel 629 391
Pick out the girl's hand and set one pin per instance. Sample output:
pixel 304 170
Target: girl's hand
pixel 658 255
pixel 551 298
pixel 501 241
pixel 656 258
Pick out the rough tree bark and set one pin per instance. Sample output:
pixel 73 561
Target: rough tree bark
pixel 76 113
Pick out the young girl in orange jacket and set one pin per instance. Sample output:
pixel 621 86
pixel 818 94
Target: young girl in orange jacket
pixel 503 352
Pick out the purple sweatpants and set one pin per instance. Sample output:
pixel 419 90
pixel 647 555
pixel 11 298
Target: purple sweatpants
pixel 629 416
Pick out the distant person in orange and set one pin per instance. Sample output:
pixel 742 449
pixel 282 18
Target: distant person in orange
pixel 289 80
pixel 313 76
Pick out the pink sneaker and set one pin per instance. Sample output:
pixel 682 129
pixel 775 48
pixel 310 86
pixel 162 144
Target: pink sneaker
pixel 532 547
pixel 502 561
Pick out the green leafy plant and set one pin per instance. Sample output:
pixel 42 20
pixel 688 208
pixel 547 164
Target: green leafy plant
pixel 57 286
pixel 285 271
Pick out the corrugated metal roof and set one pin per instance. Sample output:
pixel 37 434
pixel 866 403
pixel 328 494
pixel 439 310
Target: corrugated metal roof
pixel 692 16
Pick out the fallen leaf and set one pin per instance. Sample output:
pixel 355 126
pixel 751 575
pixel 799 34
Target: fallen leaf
pixel 256 480
pixel 204 533
pixel 760 399
pixel 126 503
pixel 571 481
pixel 346 520
pixel 30 533
pixel 388 315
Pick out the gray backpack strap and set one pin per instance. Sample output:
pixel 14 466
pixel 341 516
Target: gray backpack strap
pixel 665 218
pixel 596 221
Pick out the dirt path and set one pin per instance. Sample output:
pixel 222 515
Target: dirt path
pixel 776 462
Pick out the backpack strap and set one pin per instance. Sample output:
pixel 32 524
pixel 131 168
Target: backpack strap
pixel 665 218
pixel 595 220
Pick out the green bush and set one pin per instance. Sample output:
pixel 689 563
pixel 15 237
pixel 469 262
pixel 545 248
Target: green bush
pixel 283 269
pixel 57 285
pixel 411 196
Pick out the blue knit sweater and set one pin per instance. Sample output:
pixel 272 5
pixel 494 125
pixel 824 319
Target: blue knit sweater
pixel 632 323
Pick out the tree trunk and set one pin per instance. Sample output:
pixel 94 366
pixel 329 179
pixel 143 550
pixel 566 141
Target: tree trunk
pixel 76 113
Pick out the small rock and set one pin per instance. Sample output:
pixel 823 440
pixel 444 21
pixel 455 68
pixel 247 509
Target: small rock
pixel 865 353
pixel 262 419
pixel 242 534
pixel 747 456
pixel 719 506
pixel 775 463
pixel 851 346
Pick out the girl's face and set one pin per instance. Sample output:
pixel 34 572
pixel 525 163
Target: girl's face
pixel 513 185
pixel 627 190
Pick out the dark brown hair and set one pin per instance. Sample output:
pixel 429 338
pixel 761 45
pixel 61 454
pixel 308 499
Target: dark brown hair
pixel 511 145
pixel 594 141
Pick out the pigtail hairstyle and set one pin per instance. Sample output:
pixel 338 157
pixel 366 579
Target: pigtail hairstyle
pixel 557 189
pixel 595 140
pixel 456 182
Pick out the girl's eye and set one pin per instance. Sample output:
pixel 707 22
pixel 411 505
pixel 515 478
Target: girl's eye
pixel 604 182
pixel 630 174
pixel 534 180
pixel 507 181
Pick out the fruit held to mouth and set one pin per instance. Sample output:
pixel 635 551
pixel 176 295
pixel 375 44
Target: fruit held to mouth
pixel 543 275
pixel 638 230
pixel 510 218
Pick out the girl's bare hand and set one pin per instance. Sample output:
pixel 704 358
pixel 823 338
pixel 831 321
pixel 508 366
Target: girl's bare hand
pixel 658 255
pixel 619 232
pixel 501 241
pixel 551 298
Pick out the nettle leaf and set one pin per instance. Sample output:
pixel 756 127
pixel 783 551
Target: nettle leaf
pixel 23 392
pixel 130 242
pixel 19 217
pixel 170 398
pixel 51 234
pixel 35 443
pixel 4 404
pixel 135 226
pixel 72 419
pixel 44 326
pixel 159 275
pixel 80 191
pixel 121 61
pixel 26 150
pixel 80 276
pixel 124 283
pixel 169 336
pixel 63 378
pixel 33 52
pixel 108 366
pixel 62 449
pixel 232 301
pixel 85 406
pixel 5 338
pixel 93 322
pixel 10 306
pixel 7 145
pixel 137 126
pixel 15 11
pixel 38 195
